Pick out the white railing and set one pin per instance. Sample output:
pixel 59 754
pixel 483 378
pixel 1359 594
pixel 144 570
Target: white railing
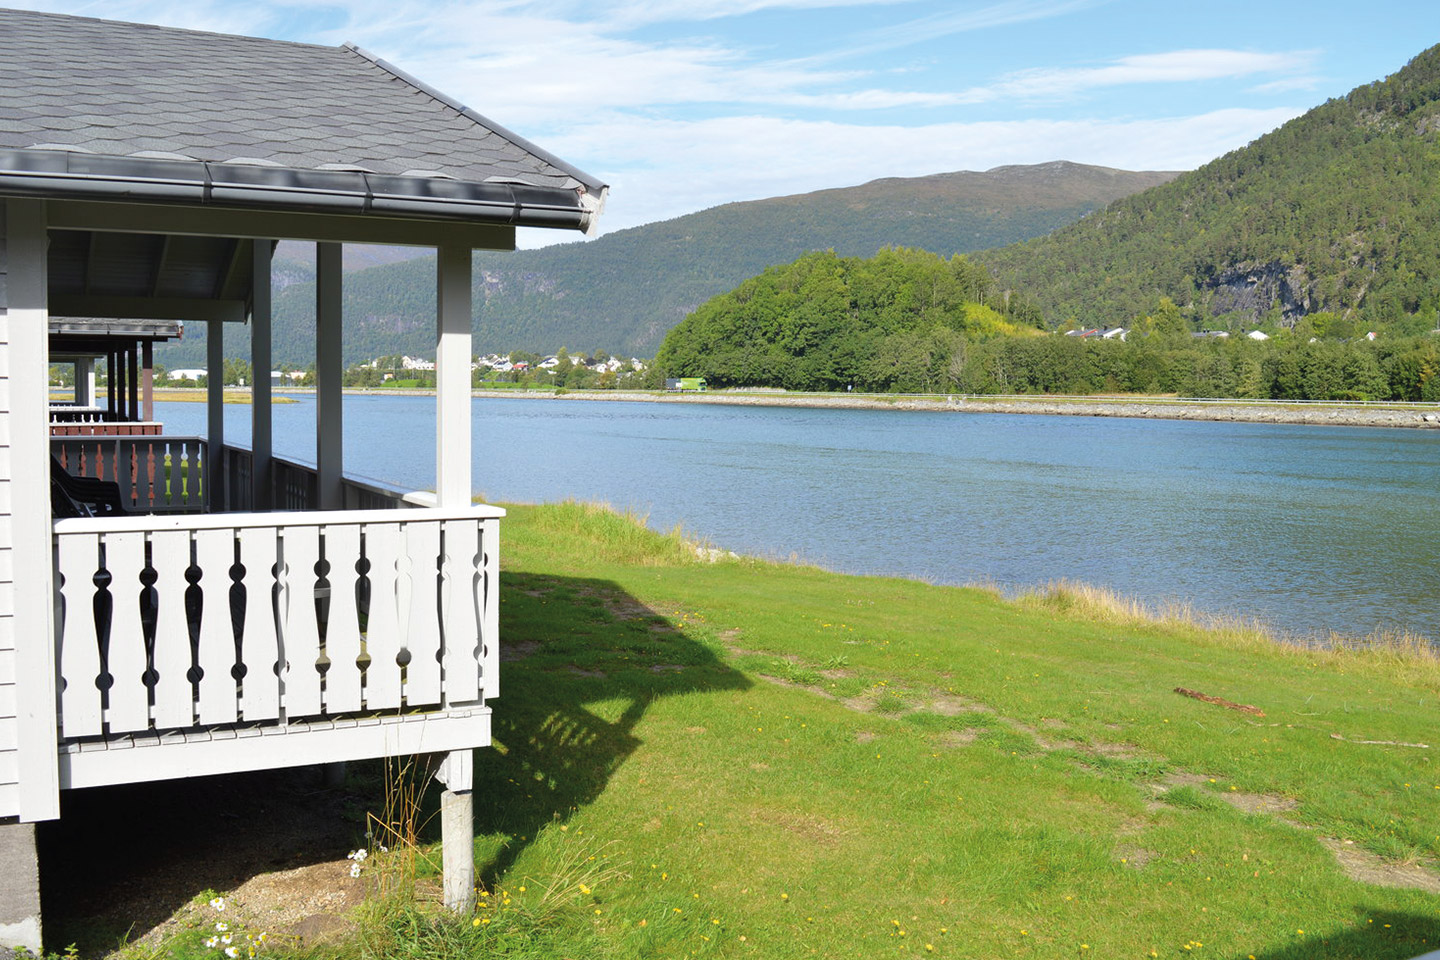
pixel 175 623
pixel 155 474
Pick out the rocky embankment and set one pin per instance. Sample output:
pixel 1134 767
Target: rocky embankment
pixel 1252 412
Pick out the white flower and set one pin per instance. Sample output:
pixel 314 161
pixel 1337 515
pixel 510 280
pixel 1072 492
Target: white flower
pixel 384 849
pixel 226 939
pixel 213 942
pixel 218 903
pixel 354 869
pixel 358 855
pixel 232 952
pixel 222 926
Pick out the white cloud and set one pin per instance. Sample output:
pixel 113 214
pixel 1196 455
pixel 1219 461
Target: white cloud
pixel 951 22
pixel 1176 66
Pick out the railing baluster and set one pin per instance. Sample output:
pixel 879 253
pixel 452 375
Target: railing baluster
pixel 300 642
pixel 129 698
pixel 78 558
pixel 461 624
pixel 342 629
pixel 217 696
pixel 260 690
pixel 174 695
pixel 382 632
pixel 488 595
pixel 422 675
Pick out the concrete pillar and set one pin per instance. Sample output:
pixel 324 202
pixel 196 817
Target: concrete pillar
pixel 457 830
pixel 19 888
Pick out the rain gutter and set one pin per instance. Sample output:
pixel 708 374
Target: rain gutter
pixel 61 174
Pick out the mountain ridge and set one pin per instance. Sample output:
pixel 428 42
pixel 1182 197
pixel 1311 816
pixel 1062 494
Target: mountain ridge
pixel 623 291
pixel 1334 211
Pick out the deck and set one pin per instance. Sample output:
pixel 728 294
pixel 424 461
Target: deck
pixel 191 643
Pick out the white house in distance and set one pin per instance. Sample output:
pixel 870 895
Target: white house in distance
pixel 147 173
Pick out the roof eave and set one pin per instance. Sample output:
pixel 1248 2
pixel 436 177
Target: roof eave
pixel 58 174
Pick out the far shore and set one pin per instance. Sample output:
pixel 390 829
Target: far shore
pixel 1412 415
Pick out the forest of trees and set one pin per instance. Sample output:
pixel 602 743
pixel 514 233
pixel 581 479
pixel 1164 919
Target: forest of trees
pixel 911 321
pixel 827 322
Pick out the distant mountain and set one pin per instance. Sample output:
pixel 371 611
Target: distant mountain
pixel 623 291
pixel 1335 211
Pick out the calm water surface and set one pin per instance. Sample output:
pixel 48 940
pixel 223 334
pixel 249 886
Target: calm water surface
pixel 1311 529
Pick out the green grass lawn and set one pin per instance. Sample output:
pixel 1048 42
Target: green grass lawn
pixel 743 759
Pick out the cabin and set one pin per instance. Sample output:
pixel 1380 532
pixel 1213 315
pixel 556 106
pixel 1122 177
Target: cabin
pixel 178 607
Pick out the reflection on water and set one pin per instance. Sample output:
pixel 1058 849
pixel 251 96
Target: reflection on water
pixel 1309 528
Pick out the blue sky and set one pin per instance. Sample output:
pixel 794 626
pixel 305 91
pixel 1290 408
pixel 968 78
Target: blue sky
pixel 684 104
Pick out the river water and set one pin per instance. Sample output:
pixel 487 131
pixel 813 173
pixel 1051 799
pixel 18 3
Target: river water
pixel 1309 529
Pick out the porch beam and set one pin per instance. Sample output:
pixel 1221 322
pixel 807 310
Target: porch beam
pixel 261 422
pixel 329 418
pixel 27 326
pixel 452 377
pixel 215 494
pixel 217 222
pixel 147 308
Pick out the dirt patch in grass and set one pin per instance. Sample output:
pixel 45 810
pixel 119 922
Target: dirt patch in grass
pixel 1134 857
pixel 1363 866
pixel 510 652
pixel 666 668
pixel 859 704
pixel 948 705
pixel 864 736
pixel 1259 802
pixel 837 674
pixel 816 830
pixel 582 672
pixel 959 738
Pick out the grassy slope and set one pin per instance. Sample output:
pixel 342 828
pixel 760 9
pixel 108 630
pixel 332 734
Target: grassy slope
pixel 978 774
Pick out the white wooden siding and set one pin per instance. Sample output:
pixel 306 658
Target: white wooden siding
pixel 9 731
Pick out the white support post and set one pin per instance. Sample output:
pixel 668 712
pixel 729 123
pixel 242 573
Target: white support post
pixel 214 476
pixel 85 381
pixel 147 381
pixel 457 830
pixel 261 467
pixel 452 378
pixel 29 491
pixel 329 421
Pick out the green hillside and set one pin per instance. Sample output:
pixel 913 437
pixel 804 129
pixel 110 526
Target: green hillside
pixel 1335 211
pixel 622 292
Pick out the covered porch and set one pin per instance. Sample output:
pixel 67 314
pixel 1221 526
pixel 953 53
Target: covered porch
pixel 247 612
pixel 229 610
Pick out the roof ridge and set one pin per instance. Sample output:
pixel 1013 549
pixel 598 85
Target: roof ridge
pixel 592 184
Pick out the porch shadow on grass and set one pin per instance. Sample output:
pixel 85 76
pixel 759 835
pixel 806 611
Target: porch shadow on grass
pixel 572 645
pixel 1377 935
pixel 122 860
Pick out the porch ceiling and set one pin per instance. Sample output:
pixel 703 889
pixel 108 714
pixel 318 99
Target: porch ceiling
pixel 149 275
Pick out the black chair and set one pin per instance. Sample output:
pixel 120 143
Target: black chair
pixel 72 496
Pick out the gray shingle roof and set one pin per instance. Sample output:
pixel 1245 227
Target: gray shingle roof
pixel 134 90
